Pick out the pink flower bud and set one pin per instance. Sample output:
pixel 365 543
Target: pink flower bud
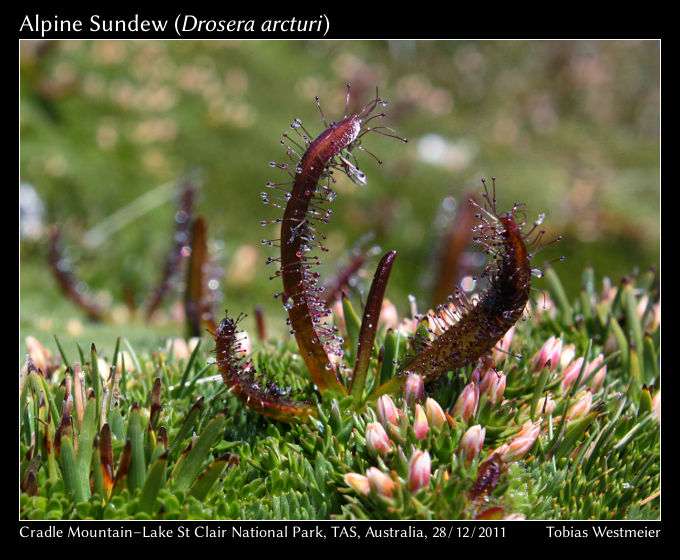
pixel 568 354
pixel 549 352
pixel 581 407
pixel 407 326
pixel 471 443
pixel 359 482
pixel 377 441
pixel 420 425
pixel 523 442
pixel 570 373
pixel 388 314
pixel 515 517
pixel 380 483
pixel 419 471
pixel 486 379
pixel 414 389
pixel 496 387
pixel 545 406
pixel 435 414
pixel 656 404
pixel 466 404
pixel 476 375
pixel 597 379
pixel 179 348
pixel 38 354
pixel 388 414
pixel 502 347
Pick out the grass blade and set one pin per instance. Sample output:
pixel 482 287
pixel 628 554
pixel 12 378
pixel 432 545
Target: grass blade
pixel 192 464
pixel 135 436
pixel 209 476
pixel 152 484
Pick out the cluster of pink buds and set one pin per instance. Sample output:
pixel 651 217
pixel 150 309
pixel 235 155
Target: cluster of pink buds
pixel 391 429
pixel 554 355
pixel 489 381
pixel 571 372
pixel 393 422
pixel 383 485
pixel 521 444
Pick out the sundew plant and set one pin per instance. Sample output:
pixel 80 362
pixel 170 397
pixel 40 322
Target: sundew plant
pixel 501 397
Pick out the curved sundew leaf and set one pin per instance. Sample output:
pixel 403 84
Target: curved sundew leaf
pixel 369 324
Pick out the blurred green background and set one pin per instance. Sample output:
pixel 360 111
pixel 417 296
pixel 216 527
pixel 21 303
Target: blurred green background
pixel 571 128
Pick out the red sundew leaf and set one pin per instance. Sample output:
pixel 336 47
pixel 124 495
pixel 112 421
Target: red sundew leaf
pixel 304 309
pixel 181 239
pixel 72 288
pixel 251 388
pixel 369 323
pixel 457 238
pixel 65 423
pixel 335 288
pixel 470 329
pixel 488 475
pixel 196 308
pixel 331 150
pixel 260 325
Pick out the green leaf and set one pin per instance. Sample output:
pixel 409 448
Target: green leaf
pixel 187 425
pixel 69 465
pixel 633 324
pixel 62 353
pixel 209 477
pixel 135 435
pixel 88 430
pixel 353 325
pixel 193 463
pixel 538 391
pixel 573 433
pixel 96 377
pixel 152 484
pixel 391 345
